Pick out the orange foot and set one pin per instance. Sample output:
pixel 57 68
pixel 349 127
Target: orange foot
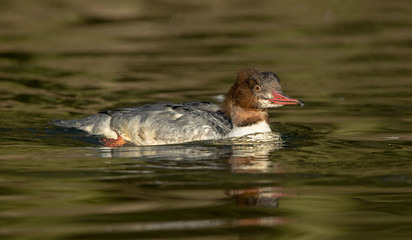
pixel 111 142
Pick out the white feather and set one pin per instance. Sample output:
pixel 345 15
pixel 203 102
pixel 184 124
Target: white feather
pixel 261 126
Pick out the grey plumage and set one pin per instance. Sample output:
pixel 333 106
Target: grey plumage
pixel 157 123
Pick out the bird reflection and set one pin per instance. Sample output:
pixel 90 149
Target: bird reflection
pixel 261 197
pixel 255 159
pixel 249 154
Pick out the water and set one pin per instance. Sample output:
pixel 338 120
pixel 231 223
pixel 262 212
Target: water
pixel 343 172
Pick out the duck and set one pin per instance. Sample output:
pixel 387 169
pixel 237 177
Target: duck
pixel 243 112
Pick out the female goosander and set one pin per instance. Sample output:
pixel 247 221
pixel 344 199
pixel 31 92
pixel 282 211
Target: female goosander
pixel 243 112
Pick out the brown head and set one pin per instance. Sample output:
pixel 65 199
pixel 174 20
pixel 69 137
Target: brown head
pixel 250 96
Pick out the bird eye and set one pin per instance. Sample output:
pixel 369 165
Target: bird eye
pixel 257 88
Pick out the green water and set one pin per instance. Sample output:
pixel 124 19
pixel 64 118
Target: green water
pixel 344 171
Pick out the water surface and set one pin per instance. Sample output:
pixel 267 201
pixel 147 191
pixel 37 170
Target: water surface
pixel 343 170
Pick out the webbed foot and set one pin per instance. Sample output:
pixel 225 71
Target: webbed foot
pixel 111 142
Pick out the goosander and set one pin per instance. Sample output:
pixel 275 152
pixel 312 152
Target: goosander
pixel 243 112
